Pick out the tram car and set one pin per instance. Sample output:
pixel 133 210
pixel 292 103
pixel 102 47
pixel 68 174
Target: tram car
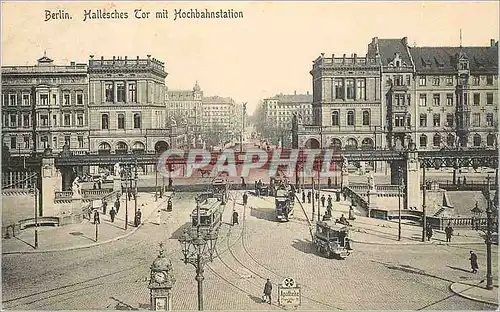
pixel 220 189
pixel 332 239
pixel 284 206
pixel 210 212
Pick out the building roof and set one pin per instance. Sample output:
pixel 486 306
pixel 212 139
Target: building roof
pixel 443 59
pixel 292 98
pixel 217 100
pixel 387 48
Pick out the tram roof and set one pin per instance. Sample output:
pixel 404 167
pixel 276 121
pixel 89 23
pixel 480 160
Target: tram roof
pixel 333 226
pixel 219 181
pixel 208 206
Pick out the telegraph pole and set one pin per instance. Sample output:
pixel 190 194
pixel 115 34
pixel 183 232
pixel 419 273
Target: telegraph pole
pixel 489 276
pixel 424 221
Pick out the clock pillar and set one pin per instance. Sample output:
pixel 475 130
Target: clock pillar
pixel 161 282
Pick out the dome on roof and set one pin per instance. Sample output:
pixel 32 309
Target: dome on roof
pixel 196 87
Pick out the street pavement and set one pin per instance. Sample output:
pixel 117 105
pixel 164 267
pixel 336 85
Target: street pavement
pixel 114 276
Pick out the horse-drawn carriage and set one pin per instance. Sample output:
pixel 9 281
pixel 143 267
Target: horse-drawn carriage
pixel 332 239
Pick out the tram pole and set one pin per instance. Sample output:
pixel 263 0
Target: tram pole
pixel 424 221
pixel 312 218
pixel 35 188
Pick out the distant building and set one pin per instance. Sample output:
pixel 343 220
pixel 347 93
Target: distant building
pixel 219 118
pixel 45 106
pixel 278 110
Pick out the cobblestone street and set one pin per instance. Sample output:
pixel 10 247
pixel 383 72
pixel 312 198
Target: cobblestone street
pixel 113 276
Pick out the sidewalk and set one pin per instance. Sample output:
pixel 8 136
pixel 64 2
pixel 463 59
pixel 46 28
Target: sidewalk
pixel 82 235
pixel 475 290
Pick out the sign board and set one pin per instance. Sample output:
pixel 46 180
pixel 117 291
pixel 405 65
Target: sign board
pixel 289 293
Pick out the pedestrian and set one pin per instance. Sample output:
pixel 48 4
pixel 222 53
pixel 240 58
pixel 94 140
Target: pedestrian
pixel 138 216
pixel 303 196
pixel 169 205
pixel 449 231
pixel 465 181
pixel 243 184
pixel 309 197
pixel 345 196
pixel 268 289
pixel 129 194
pixel 351 213
pixel 95 186
pixel 245 198
pixel 97 219
pixel 170 183
pixel 235 217
pixel 104 206
pixel 458 182
pixel 323 200
pixel 117 205
pixel 429 231
pixel 317 196
pixel 112 214
pixel 473 262
pixel 329 182
pixel 158 217
pixel 99 183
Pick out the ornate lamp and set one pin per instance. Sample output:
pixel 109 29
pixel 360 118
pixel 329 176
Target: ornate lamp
pixel 161 282
pixel 476 215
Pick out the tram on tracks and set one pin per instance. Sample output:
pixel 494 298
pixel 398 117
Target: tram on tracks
pixel 284 205
pixel 332 239
pixel 210 211
pixel 220 189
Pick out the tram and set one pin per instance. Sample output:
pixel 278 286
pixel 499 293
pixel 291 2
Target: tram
pixel 220 189
pixel 284 206
pixel 210 212
pixel 332 239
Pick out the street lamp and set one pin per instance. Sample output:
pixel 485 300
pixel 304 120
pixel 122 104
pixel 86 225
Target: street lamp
pixel 198 249
pixel 400 186
pixel 488 240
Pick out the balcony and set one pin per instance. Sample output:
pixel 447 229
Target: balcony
pixel 79 68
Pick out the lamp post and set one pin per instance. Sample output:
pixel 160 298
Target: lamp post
pixel 35 189
pixel 135 191
pixel 424 221
pixel 488 241
pixel 400 186
pixel 198 249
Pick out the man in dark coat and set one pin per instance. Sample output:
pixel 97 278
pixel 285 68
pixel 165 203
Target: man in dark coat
pixel 317 196
pixel 104 206
pixel 268 289
pixel 243 184
pixel 97 219
pixel 449 231
pixel 138 216
pixel 323 200
pixel 473 262
pixel 330 200
pixel 112 214
pixel 169 204
pixel 245 198
pixel 309 197
pixel 429 231
pixel 235 217
pixel 329 182
pixel 117 205
pixel 303 196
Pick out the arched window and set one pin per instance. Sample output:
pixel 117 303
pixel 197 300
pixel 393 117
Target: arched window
pixel 121 121
pixel 423 140
pixel 351 144
pixel 104 148
pixel 477 140
pixel 436 141
pixel 367 143
pixel 350 118
pixel 366 118
pixel 490 139
pixel 335 118
pixel 137 121
pixel 121 148
pixel 450 140
pixel 105 122
pixel 336 143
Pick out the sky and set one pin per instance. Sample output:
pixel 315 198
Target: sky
pixel 268 51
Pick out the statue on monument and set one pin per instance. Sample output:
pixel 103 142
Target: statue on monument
pixel 371 181
pixel 117 170
pixel 345 165
pixel 76 187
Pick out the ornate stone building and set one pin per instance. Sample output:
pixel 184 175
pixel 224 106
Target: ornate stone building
pixel 45 106
pixel 278 110
pixel 219 119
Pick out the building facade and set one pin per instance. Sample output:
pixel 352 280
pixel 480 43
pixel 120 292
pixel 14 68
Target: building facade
pixel 45 106
pixel 219 119
pixel 437 97
pixel 279 109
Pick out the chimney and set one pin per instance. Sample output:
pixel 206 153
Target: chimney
pixel 355 58
pixel 114 57
pixel 322 55
pixel 294 92
pixel 343 58
pixel 492 42
pixel 375 40
pixel 91 57
pixel 307 92
pixel 102 58
pixel 404 41
pixel 149 56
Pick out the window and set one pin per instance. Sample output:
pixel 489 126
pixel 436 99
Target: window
pixel 121 121
pixel 132 92
pixel 66 99
pixel 435 81
pixel 449 120
pixel 409 99
pixel 398 80
pixel 80 141
pixel 477 140
pixel 109 92
pixel 360 89
pixel 44 99
pixel 476 122
pixel 26 142
pixel 436 120
pixel 489 98
pixel 436 100
pixel 67 140
pixel 449 80
pixel 12 99
pixel 400 99
pixel 137 121
pixel 13 120
pixel 423 100
pixel 490 139
pixel 44 140
pixel 13 142
pixel 79 98
pixel 54 120
pixel 79 120
pixel 475 80
pixel 436 140
pixel 67 120
pixel 466 98
pixel 350 118
pixel 423 120
pixel 489 119
pixel 489 80
pixel 408 79
pixel 54 99
pixel 422 81
pixel 335 118
pixel 449 99
pixel 450 140
pixel 44 120
pixel 105 122
pixel 423 140
pixel 120 91
pixel 366 118
pixel 350 88
pixel 26 120
pixel 399 120
pixel 26 99
pixel 477 98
